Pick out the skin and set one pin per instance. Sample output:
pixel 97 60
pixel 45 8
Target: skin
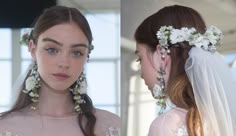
pixel 60 54
pixel 150 63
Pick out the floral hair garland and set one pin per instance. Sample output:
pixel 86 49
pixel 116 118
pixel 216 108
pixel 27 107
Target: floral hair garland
pixel 25 38
pixel 167 34
pixel 207 41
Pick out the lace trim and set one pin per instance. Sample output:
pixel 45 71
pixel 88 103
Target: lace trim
pixel 182 131
pixel 8 133
pixel 113 131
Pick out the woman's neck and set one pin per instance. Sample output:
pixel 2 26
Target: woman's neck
pixel 56 103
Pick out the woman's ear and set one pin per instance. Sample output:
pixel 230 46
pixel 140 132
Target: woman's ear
pixel 32 49
pixel 158 60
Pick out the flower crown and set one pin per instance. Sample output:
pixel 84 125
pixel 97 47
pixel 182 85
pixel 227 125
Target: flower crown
pixel 166 35
pixel 27 35
pixel 207 41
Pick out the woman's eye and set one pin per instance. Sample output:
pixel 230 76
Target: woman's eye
pixel 77 53
pixel 51 50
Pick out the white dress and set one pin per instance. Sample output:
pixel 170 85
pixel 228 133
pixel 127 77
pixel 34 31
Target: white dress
pixel 29 124
pixel 171 123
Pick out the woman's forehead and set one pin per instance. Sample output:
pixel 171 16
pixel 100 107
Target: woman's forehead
pixel 65 33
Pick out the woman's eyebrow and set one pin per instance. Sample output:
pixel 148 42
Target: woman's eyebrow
pixel 47 39
pixel 52 40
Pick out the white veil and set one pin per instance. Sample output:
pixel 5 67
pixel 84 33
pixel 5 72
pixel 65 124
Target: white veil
pixel 17 87
pixel 214 91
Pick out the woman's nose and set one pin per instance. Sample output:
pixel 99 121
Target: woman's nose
pixel 64 61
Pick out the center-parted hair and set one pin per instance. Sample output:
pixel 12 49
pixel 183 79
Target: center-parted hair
pixel 50 17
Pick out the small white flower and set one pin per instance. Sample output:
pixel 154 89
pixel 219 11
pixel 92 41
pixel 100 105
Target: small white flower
pixel 26 91
pixel 177 36
pixel 35 99
pixel 214 30
pixel 212 38
pixel 207 41
pixel 187 33
pixel 199 41
pixel 83 87
pixel 77 97
pixel 156 90
pixel 30 83
pixel 77 108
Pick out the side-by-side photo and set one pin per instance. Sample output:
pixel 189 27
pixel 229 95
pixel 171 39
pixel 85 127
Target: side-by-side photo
pixel 118 68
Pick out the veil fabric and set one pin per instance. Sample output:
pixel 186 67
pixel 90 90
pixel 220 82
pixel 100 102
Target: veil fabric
pixel 18 85
pixel 214 91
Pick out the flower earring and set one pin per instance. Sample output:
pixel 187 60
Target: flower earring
pixel 78 89
pixel 33 83
pixel 159 89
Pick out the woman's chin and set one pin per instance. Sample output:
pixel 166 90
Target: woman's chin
pixel 151 90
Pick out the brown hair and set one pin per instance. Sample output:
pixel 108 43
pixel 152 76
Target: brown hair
pixel 54 16
pixel 178 88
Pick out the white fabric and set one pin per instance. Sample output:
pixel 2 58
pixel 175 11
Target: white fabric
pixel 213 89
pixel 27 123
pixel 16 89
pixel 171 123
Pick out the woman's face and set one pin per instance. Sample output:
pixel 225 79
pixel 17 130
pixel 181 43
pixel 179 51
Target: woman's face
pixel 60 54
pixel 150 63
pixel 148 68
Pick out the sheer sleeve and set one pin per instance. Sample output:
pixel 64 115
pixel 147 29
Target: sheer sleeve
pixel 108 122
pixel 171 123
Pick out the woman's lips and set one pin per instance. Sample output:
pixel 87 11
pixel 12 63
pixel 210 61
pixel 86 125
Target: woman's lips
pixel 61 76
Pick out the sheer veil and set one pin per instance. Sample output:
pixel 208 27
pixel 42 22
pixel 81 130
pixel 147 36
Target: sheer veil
pixel 214 91
pixel 18 84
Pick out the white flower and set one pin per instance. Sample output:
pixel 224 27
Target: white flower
pixel 83 87
pixel 156 90
pixel 177 36
pixel 30 83
pixel 199 41
pixel 207 41
pixel 214 30
pixel 77 97
pixel 25 91
pixel 163 38
pixel 163 42
pixel 212 38
pixel 32 94
pixel 214 35
pixel 187 32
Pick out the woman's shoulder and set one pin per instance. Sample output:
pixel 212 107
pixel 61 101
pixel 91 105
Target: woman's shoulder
pixel 175 113
pixel 168 122
pixel 106 116
pixel 12 116
pixel 9 121
pixel 107 122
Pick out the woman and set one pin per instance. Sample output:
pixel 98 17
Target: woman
pixel 179 63
pixel 53 99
